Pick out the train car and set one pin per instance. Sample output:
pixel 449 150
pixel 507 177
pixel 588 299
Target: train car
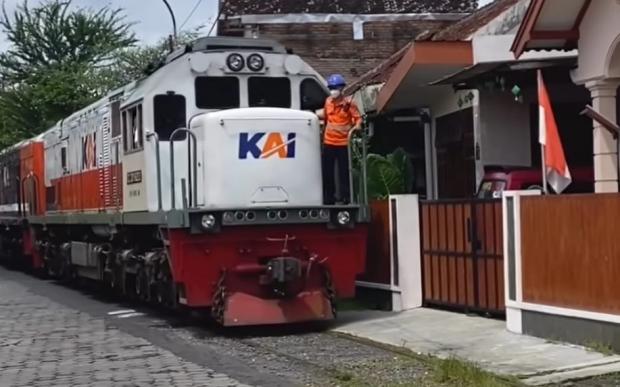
pixel 199 186
pixel 21 192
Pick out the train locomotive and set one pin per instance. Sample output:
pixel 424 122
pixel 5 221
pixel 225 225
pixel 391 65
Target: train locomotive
pixel 198 186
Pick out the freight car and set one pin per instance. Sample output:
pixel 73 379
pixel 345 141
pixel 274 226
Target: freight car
pixel 199 185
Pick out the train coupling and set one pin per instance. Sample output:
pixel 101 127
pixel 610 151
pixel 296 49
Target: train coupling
pixel 284 269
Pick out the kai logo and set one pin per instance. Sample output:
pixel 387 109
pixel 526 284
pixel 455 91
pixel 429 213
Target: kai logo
pixel 266 145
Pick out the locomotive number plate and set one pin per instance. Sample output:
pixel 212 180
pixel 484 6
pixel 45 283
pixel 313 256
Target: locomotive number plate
pixel 134 177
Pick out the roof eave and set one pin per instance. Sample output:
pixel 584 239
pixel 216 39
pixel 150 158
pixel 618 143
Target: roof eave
pixel 527 32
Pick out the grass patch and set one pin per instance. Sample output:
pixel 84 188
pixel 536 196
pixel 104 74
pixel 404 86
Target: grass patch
pixel 439 372
pixel 352 305
pixel 597 346
pixel 455 372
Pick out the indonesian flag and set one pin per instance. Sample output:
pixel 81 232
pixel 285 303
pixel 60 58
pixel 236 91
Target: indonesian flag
pixel 558 175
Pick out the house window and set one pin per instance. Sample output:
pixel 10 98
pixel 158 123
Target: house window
pixel 313 95
pixel 169 115
pixel 133 131
pixel 269 92
pixel 217 92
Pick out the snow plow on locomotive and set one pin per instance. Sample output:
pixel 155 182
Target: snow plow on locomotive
pixel 199 185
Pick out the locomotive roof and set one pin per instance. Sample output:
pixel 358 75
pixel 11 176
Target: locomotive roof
pixel 223 43
pixel 132 91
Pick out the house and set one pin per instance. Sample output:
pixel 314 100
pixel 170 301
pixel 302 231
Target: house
pixel 593 28
pixel 439 126
pixel 341 36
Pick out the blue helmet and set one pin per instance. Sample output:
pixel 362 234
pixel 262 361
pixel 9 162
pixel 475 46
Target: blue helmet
pixel 336 81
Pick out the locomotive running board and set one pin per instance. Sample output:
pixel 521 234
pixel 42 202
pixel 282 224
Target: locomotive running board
pixel 246 310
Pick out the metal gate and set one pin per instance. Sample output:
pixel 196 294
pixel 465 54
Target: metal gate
pixel 462 255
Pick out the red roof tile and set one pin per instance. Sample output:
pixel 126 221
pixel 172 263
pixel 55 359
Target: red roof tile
pixel 380 73
pixel 467 26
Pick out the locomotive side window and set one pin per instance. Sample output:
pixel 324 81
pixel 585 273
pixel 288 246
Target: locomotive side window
pixel 115 112
pixel 313 95
pixel 63 158
pixel 217 92
pixel 269 92
pixel 169 115
pixel 132 129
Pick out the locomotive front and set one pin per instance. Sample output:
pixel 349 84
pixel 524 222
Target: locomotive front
pixel 261 247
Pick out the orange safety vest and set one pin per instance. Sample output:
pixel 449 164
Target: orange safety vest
pixel 341 116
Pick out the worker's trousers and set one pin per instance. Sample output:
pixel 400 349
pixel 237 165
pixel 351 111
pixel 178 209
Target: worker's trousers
pixel 336 158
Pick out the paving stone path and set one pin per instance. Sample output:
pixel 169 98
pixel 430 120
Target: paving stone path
pixel 43 343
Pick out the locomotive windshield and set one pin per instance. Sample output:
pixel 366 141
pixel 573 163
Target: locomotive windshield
pixel 269 92
pixel 217 93
pixel 220 93
pixel 312 95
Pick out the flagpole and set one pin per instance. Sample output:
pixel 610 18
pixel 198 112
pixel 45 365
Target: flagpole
pixel 544 170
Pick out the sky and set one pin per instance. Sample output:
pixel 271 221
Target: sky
pixel 151 16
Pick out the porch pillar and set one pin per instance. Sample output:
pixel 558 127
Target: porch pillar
pixel 605 146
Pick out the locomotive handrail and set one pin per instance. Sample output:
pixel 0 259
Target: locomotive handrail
pixel 350 155
pixel 35 178
pixel 158 161
pixel 20 209
pixel 193 182
pixel 363 179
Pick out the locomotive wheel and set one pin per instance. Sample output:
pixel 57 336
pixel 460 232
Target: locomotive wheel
pixel 141 287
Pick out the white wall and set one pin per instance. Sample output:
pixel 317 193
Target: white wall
pixel 599 33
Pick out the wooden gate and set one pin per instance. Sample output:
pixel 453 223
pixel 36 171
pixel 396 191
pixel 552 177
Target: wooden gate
pixel 462 255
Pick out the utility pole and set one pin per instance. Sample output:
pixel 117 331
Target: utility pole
pixel 173 37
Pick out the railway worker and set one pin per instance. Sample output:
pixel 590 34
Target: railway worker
pixel 341 116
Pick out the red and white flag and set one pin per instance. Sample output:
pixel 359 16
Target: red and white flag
pixel 556 168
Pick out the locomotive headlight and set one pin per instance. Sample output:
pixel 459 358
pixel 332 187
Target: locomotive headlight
pixel 208 221
pixel 344 218
pixel 256 62
pixel 235 62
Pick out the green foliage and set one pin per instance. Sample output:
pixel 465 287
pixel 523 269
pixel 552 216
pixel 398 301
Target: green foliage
pixel 137 62
pixel 61 58
pixel 54 34
pixel 389 175
pixel 454 372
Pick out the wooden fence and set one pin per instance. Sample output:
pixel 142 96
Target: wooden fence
pixel 570 249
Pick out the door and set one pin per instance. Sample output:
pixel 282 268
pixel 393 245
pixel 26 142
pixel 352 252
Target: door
pixel 456 166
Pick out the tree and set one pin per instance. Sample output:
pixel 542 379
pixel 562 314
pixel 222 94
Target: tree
pixel 138 62
pixel 63 58
pixel 55 34
pixel 60 59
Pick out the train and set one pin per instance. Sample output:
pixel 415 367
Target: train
pixel 198 186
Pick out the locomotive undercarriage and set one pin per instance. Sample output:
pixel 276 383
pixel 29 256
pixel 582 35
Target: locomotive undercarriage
pixel 10 244
pixel 135 263
pixel 139 270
